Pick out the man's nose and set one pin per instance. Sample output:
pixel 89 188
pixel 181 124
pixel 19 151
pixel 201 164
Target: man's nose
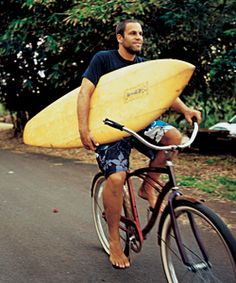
pixel 139 36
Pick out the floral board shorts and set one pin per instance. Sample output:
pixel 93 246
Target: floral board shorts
pixel 114 157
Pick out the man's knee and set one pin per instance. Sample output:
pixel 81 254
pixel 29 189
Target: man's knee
pixel 117 180
pixel 173 136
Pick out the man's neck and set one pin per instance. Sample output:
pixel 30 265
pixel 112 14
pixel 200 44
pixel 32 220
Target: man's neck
pixel 126 55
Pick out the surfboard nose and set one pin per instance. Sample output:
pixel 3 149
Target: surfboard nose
pixel 178 64
pixel 188 65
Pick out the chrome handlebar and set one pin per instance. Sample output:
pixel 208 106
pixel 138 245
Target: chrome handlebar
pixel 120 127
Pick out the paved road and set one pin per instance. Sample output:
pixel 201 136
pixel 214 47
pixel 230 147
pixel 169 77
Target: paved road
pixel 38 245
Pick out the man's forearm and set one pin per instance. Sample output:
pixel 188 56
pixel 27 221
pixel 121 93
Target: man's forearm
pixel 188 113
pixel 83 107
pixel 179 106
pixel 83 104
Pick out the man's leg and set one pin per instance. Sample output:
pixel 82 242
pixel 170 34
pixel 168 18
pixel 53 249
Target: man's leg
pixel 173 136
pixel 112 201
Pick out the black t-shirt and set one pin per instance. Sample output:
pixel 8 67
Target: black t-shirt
pixel 104 62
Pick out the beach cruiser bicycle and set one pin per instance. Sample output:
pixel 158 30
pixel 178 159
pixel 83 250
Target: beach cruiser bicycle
pixel 195 244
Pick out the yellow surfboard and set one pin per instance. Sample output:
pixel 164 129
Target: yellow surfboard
pixel 134 96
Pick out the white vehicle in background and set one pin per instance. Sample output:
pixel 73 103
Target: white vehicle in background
pixel 226 126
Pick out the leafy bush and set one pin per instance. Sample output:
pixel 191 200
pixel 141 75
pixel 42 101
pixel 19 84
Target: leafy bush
pixel 47 44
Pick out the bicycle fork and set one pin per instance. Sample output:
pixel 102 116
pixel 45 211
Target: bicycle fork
pixel 193 267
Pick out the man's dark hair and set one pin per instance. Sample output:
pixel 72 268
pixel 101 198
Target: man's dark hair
pixel 120 28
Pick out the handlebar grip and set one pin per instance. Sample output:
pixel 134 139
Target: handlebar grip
pixel 113 124
pixel 194 119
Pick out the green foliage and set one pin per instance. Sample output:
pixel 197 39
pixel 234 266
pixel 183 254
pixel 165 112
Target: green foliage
pixel 47 44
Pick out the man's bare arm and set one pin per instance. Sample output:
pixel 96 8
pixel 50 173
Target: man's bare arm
pixel 189 113
pixel 83 106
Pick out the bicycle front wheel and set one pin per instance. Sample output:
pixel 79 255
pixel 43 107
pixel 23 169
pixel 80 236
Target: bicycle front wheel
pixel 217 241
pixel 99 216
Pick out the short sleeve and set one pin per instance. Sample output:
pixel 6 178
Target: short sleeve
pixel 95 69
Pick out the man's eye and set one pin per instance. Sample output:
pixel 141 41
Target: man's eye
pixel 135 33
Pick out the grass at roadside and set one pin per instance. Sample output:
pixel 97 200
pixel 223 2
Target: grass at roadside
pixel 222 186
pixel 213 174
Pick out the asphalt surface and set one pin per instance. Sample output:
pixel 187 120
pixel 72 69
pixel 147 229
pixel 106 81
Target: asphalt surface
pixel 46 227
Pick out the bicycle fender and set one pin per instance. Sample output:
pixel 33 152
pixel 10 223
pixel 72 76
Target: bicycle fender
pixel 98 175
pixel 189 198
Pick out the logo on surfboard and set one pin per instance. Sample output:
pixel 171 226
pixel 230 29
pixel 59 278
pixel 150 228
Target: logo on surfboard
pixel 136 92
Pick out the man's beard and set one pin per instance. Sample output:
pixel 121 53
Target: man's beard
pixel 131 51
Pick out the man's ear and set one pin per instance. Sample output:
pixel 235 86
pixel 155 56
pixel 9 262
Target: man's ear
pixel 119 38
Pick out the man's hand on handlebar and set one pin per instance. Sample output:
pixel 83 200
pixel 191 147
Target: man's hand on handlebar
pixel 192 113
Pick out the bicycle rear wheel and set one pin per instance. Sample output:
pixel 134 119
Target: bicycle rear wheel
pixel 99 216
pixel 217 240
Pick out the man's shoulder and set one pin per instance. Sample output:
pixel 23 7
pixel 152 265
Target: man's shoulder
pixel 106 53
pixel 113 54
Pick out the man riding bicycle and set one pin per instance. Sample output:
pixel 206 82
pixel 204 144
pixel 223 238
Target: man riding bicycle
pixel 129 35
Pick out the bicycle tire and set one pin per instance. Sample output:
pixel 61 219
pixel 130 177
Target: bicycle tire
pixel 99 218
pixel 218 241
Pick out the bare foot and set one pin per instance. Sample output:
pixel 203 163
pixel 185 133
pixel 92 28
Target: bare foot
pixel 150 195
pixel 117 257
